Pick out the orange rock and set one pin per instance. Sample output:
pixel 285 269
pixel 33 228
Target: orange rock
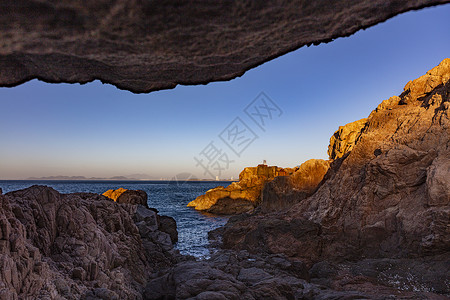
pixel 114 194
pixel 245 194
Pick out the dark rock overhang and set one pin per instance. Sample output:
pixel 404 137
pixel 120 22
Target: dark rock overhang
pixel 146 45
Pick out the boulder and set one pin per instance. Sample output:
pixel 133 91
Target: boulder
pixel 122 195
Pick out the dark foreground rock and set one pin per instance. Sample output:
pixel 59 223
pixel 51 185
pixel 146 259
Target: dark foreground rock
pixel 242 275
pixel 76 246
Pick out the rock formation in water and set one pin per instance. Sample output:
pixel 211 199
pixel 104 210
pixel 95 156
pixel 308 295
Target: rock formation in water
pixel 72 246
pixel 386 194
pixel 143 46
pixel 286 186
pixel 242 196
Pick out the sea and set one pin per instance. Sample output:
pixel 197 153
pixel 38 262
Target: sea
pixel 168 197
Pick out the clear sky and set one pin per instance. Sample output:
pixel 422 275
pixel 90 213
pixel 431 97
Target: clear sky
pixel 98 130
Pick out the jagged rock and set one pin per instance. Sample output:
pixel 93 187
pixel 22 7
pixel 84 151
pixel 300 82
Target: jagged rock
pixel 385 196
pixel 143 46
pixel 242 196
pixel 76 246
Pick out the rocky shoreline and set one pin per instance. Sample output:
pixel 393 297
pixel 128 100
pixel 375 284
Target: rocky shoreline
pixel 370 223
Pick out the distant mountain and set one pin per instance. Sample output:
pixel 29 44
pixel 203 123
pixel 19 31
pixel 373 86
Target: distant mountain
pixel 59 177
pixel 62 177
pixel 179 177
pixel 142 177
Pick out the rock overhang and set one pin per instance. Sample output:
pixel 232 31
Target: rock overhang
pixel 143 46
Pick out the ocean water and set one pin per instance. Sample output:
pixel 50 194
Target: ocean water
pixel 168 197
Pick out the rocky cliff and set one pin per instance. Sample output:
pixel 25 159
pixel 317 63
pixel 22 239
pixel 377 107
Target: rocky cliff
pixel 144 46
pixel 242 196
pixel 77 246
pixel 386 194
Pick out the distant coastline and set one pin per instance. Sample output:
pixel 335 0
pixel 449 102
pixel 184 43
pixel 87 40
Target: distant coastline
pixel 114 178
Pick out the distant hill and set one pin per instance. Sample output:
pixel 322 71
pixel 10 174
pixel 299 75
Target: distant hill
pixel 62 177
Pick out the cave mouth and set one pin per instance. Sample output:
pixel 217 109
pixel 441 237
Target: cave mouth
pixel 144 46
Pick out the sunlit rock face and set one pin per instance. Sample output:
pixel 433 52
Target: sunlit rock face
pixel 143 46
pixel 242 196
pixel 388 195
pixel 345 138
pixel 114 194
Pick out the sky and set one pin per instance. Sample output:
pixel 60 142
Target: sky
pixel 96 130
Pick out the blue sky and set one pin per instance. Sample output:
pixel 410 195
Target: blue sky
pixel 98 130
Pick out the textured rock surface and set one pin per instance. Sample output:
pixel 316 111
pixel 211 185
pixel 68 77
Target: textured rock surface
pixel 242 275
pixel 242 196
pixel 146 45
pixel 73 246
pixel 387 196
pixel 231 275
pixel 345 138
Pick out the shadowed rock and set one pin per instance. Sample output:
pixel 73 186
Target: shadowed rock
pixel 142 46
pixel 285 191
